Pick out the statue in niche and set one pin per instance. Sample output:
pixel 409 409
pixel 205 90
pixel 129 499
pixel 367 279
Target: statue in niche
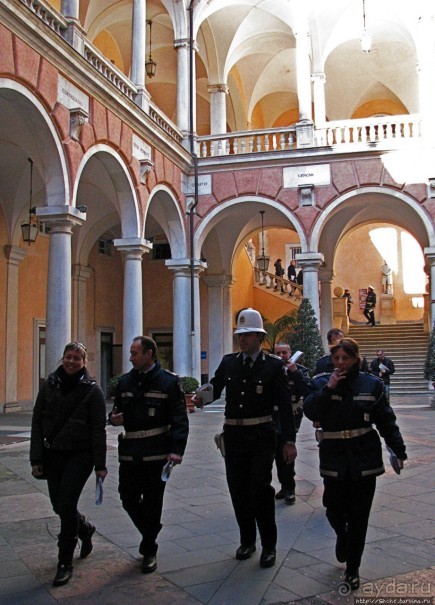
pixel 387 279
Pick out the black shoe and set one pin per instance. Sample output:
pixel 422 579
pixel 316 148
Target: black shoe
pixel 340 547
pixel 149 564
pixel 352 578
pixel 63 575
pixel 244 552
pixel 268 558
pixel 290 498
pixel 281 494
pixel 87 546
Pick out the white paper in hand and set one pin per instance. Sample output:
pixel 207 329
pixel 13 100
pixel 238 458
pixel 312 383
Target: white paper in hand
pixel 205 393
pixel 99 490
pixel 295 356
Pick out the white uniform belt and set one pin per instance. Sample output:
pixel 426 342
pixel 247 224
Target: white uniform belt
pixel 144 459
pixel 150 433
pixel 346 434
pixel 247 421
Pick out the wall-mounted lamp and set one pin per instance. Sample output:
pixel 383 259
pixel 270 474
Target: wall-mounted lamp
pixel 83 209
pixel 150 65
pixel 29 229
pixel 262 259
pixel 366 39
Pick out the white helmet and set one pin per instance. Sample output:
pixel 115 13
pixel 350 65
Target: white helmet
pixel 249 320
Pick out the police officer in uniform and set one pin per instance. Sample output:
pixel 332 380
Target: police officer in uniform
pixel 299 382
pixel 149 402
pixel 346 404
pixel 254 381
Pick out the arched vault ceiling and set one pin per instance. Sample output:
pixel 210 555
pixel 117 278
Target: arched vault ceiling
pixel 233 225
pixel 364 209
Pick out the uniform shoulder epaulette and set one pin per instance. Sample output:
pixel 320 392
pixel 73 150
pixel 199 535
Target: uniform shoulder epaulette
pixel 274 356
pixel 169 372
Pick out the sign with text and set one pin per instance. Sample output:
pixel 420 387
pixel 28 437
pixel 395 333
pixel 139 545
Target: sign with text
pixel 70 96
pixel 362 295
pixel 141 150
pixel 204 184
pixel 297 176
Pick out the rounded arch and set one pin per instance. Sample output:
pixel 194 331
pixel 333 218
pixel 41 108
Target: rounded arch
pixel 369 204
pixel 27 131
pixel 104 168
pixel 164 213
pixel 219 245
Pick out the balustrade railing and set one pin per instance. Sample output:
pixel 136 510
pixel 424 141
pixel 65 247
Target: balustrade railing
pixel 248 141
pixel 47 14
pixel 369 130
pixel 279 284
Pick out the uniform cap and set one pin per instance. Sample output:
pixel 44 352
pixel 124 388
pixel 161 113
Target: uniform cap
pixel 372 287
pixel 249 320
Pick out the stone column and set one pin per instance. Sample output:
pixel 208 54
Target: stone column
pixel 218 108
pixel 186 343
pixel 219 325
pixel 319 81
pixel 182 48
pixel 325 276
pixel 425 70
pixel 138 54
pixel 303 74
pixel 80 276
pixel 61 220
pixel 14 256
pixel 310 263
pixel 430 269
pixel 132 250
pixel 75 34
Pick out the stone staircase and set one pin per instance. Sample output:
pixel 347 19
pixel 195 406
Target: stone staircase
pixel 406 344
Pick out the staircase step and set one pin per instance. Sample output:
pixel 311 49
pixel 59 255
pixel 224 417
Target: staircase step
pixel 406 344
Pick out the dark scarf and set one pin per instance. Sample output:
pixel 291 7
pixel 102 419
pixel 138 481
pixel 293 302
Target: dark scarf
pixel 67 382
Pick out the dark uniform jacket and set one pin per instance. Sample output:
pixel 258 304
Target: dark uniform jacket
pixel 299 383
pixel 76 410
pixel 358 402
pixel 254 394
pixel 370 303
pixel 154 401
pixel 388 363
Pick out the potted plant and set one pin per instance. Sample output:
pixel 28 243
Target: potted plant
pixel 189 385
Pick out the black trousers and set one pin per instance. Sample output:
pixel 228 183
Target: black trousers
pixel 348 504
pixel 370 315
pixel 250 451
pixel 141 490
pixel 67 473
pixel 286 472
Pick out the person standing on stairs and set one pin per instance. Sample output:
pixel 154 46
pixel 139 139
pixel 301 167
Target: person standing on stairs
pixel 383 367
pixel 279 272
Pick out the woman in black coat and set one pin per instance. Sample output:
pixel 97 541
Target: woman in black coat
pixel 68 440
pixel 346 403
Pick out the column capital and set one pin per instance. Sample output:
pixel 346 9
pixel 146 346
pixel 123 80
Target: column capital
pixel 14 254
pixel 218 281
pixel 326 275
pixel 310 260
pixel 319 77
pixel 182 43
pixel 133 246
pixel 429 254
pixel 81 272
pixel 214 88
pixel 182 266
pixel 61 218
